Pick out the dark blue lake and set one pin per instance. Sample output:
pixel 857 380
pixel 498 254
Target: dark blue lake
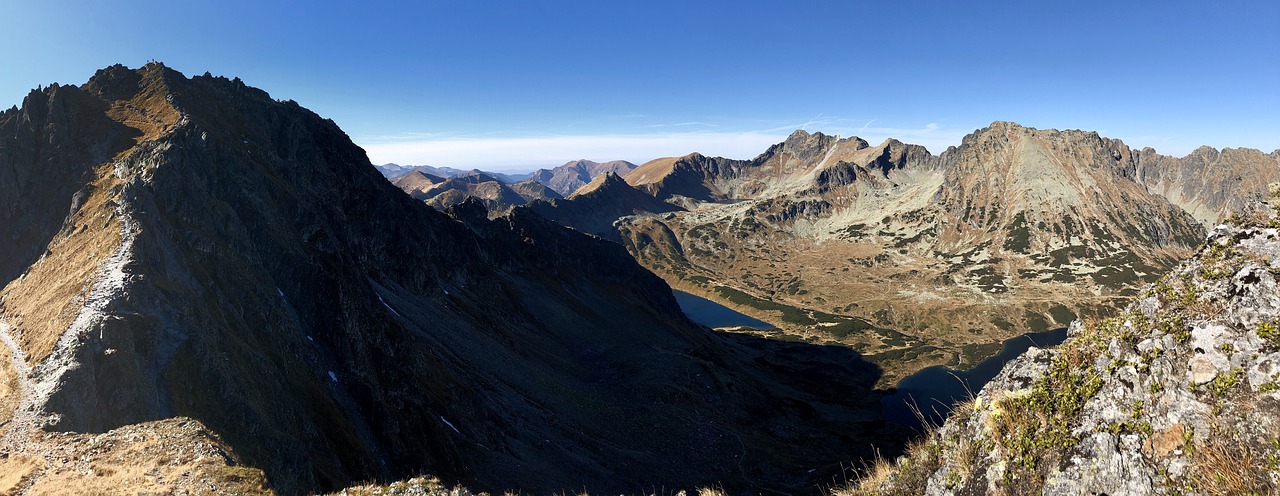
pixel 712 314
pixel 936 389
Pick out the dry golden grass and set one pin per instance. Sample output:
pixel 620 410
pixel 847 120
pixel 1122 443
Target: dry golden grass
pixel 44 303
pixel 16 471
pixel 1223 468
pixel 10 390
pixel 148 111
pixel 175 456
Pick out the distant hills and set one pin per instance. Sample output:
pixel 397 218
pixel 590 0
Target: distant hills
pixel 567 178
pixel 496 195
pixel 492 187
pixel 394 171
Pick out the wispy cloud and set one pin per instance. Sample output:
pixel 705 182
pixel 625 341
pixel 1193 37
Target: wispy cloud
pixel 683 124
pixel 932 135
pixel 526 153
pixel 530 152
pixel 865 126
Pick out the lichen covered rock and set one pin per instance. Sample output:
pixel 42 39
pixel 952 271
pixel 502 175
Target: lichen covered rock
pixel 1177 394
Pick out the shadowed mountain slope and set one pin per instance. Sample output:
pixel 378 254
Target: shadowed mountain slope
pixel 596 206
pixel 193 247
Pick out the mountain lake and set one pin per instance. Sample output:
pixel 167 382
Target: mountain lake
pixel 712 314
pixel 936 389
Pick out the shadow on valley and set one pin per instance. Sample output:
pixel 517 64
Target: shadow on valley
pixel 824 400
pixel 931 393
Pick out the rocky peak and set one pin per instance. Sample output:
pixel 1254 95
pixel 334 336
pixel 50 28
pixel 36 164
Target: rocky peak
pixel 803 148
pixel 1204 152
pixel 605 182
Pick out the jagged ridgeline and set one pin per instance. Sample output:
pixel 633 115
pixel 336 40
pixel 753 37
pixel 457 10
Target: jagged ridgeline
pixel 189 262
pixel 918 259
pixel 1179 394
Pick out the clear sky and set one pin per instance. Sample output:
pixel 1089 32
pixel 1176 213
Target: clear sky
pixel 510 85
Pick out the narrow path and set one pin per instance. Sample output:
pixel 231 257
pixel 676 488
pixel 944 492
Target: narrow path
pixel 24 421
pixel 18 436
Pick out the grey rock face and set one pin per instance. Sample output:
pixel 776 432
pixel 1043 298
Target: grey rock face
pixel 1179 393
pixel 1208 183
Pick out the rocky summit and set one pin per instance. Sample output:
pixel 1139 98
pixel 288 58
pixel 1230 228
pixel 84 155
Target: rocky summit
pixel 210 289
pixel 1179 394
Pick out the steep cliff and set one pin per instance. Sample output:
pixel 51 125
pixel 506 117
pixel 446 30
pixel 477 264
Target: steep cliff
pixel 1208 183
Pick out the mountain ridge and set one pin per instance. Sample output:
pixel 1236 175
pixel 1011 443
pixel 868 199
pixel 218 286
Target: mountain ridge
pixel 1013 216
pixel 575 174
pixel 192 247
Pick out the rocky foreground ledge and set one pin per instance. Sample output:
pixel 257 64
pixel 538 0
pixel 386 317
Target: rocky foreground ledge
pixel 1180 393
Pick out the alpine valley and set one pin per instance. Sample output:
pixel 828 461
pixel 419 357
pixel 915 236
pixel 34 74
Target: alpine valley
pixel 916 259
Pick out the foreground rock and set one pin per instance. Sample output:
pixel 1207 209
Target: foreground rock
pixel 1178 394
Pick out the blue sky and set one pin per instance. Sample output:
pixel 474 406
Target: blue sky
pixel 509 85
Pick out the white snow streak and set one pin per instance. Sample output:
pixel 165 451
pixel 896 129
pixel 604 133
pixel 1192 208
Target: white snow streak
pixel 455 429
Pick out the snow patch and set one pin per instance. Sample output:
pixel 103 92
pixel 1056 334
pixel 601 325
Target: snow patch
pixel 388 306
pixel 446 422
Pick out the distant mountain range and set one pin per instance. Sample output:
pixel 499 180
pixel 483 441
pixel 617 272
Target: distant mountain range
pixel 394 171
pixel 497 195
pixel 491 188
pixel 567 178
pixel 920 259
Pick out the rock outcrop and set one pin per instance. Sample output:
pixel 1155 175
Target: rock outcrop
pixel 1180 393
pixel 192 247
